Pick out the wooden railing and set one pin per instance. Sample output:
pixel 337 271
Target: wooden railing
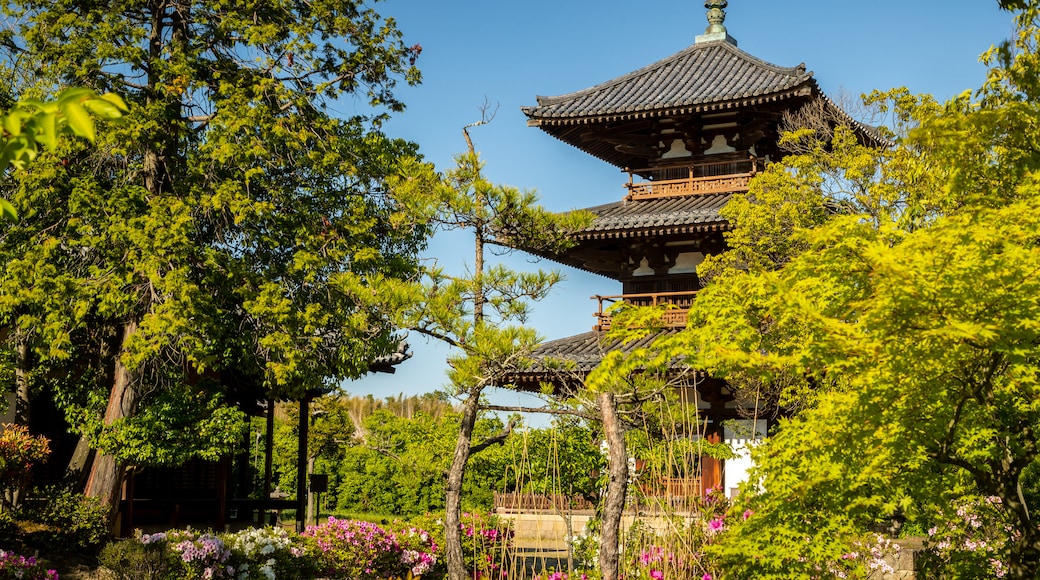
pixel 540 502
pixel 673 317
pixel 663 494
pixel 692 179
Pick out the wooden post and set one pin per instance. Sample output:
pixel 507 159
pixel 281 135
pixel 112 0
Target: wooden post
pixel 268 463
pixel 301 465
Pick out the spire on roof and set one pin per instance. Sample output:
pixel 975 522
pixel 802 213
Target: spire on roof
pixel 716 30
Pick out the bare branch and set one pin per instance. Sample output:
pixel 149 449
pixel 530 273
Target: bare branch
pixel 544 410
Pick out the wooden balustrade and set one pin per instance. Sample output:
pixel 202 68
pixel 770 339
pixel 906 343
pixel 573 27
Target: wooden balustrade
pixel 692 179
pixel 540 502
pixel 673 317
pixel 662 494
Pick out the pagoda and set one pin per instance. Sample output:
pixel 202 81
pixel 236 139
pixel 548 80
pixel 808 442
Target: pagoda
pixel 690 131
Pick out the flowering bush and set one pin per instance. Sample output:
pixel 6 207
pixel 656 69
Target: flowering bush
pixel 357 549
pixel 200 555
pixel 418 550
pixel 270 553
pixel 13 566
pixel 560 576
pixel 18 452
pixel 971 541
pixel 485 540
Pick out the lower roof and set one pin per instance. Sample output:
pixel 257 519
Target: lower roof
pixel 569 360
pixel 662 216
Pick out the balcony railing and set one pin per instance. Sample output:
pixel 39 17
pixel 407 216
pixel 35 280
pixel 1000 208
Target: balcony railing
pixel 674 317
pixel 691 179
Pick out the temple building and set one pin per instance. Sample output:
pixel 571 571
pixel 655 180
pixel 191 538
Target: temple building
pixel 690 131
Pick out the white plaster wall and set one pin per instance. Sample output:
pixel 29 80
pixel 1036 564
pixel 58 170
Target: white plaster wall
pixel 741 438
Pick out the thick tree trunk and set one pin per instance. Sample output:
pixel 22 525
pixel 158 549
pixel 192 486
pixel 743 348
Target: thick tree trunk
pixel 82 458
pixel 453 490
pixel 106 474
pixel 1024 553
pixel 617 487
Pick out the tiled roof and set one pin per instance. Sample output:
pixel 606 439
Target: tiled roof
pixel 705 76
pixel 570 359
pixel 669 215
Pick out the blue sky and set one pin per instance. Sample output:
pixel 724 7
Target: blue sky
pixel 508 52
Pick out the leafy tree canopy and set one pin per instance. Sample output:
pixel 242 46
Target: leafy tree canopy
pixel 210 233
pixel 894 304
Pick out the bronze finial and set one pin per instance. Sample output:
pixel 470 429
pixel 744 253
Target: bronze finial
pixel 716 16
pixel 716 29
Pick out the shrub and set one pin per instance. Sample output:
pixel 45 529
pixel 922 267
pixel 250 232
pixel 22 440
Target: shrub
pixel 419 551
pixel 70 521
pixel 18 452
pixel 485 541
pixel 270 553
pixel 357 549
pixel 134 560
pixel 971 540
pixel 13 566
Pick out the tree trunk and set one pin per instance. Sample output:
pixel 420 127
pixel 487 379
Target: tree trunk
pixel 453 490
pixel 82 458
pixel 106 474
pixel 1024 556
pixel 617 487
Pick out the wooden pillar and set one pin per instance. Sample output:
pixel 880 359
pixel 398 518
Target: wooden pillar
pixel 301 465
pixel 711 468
pixel 223 478
pixel 127 520
pixel 268 462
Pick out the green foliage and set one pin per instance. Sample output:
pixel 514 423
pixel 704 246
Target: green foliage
pixel 129 559
pixel 173 427
pixel 564 459
pixel 65 522
pixel 32 123
pixel 228 226
pixel 414 454
pixel 894 307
